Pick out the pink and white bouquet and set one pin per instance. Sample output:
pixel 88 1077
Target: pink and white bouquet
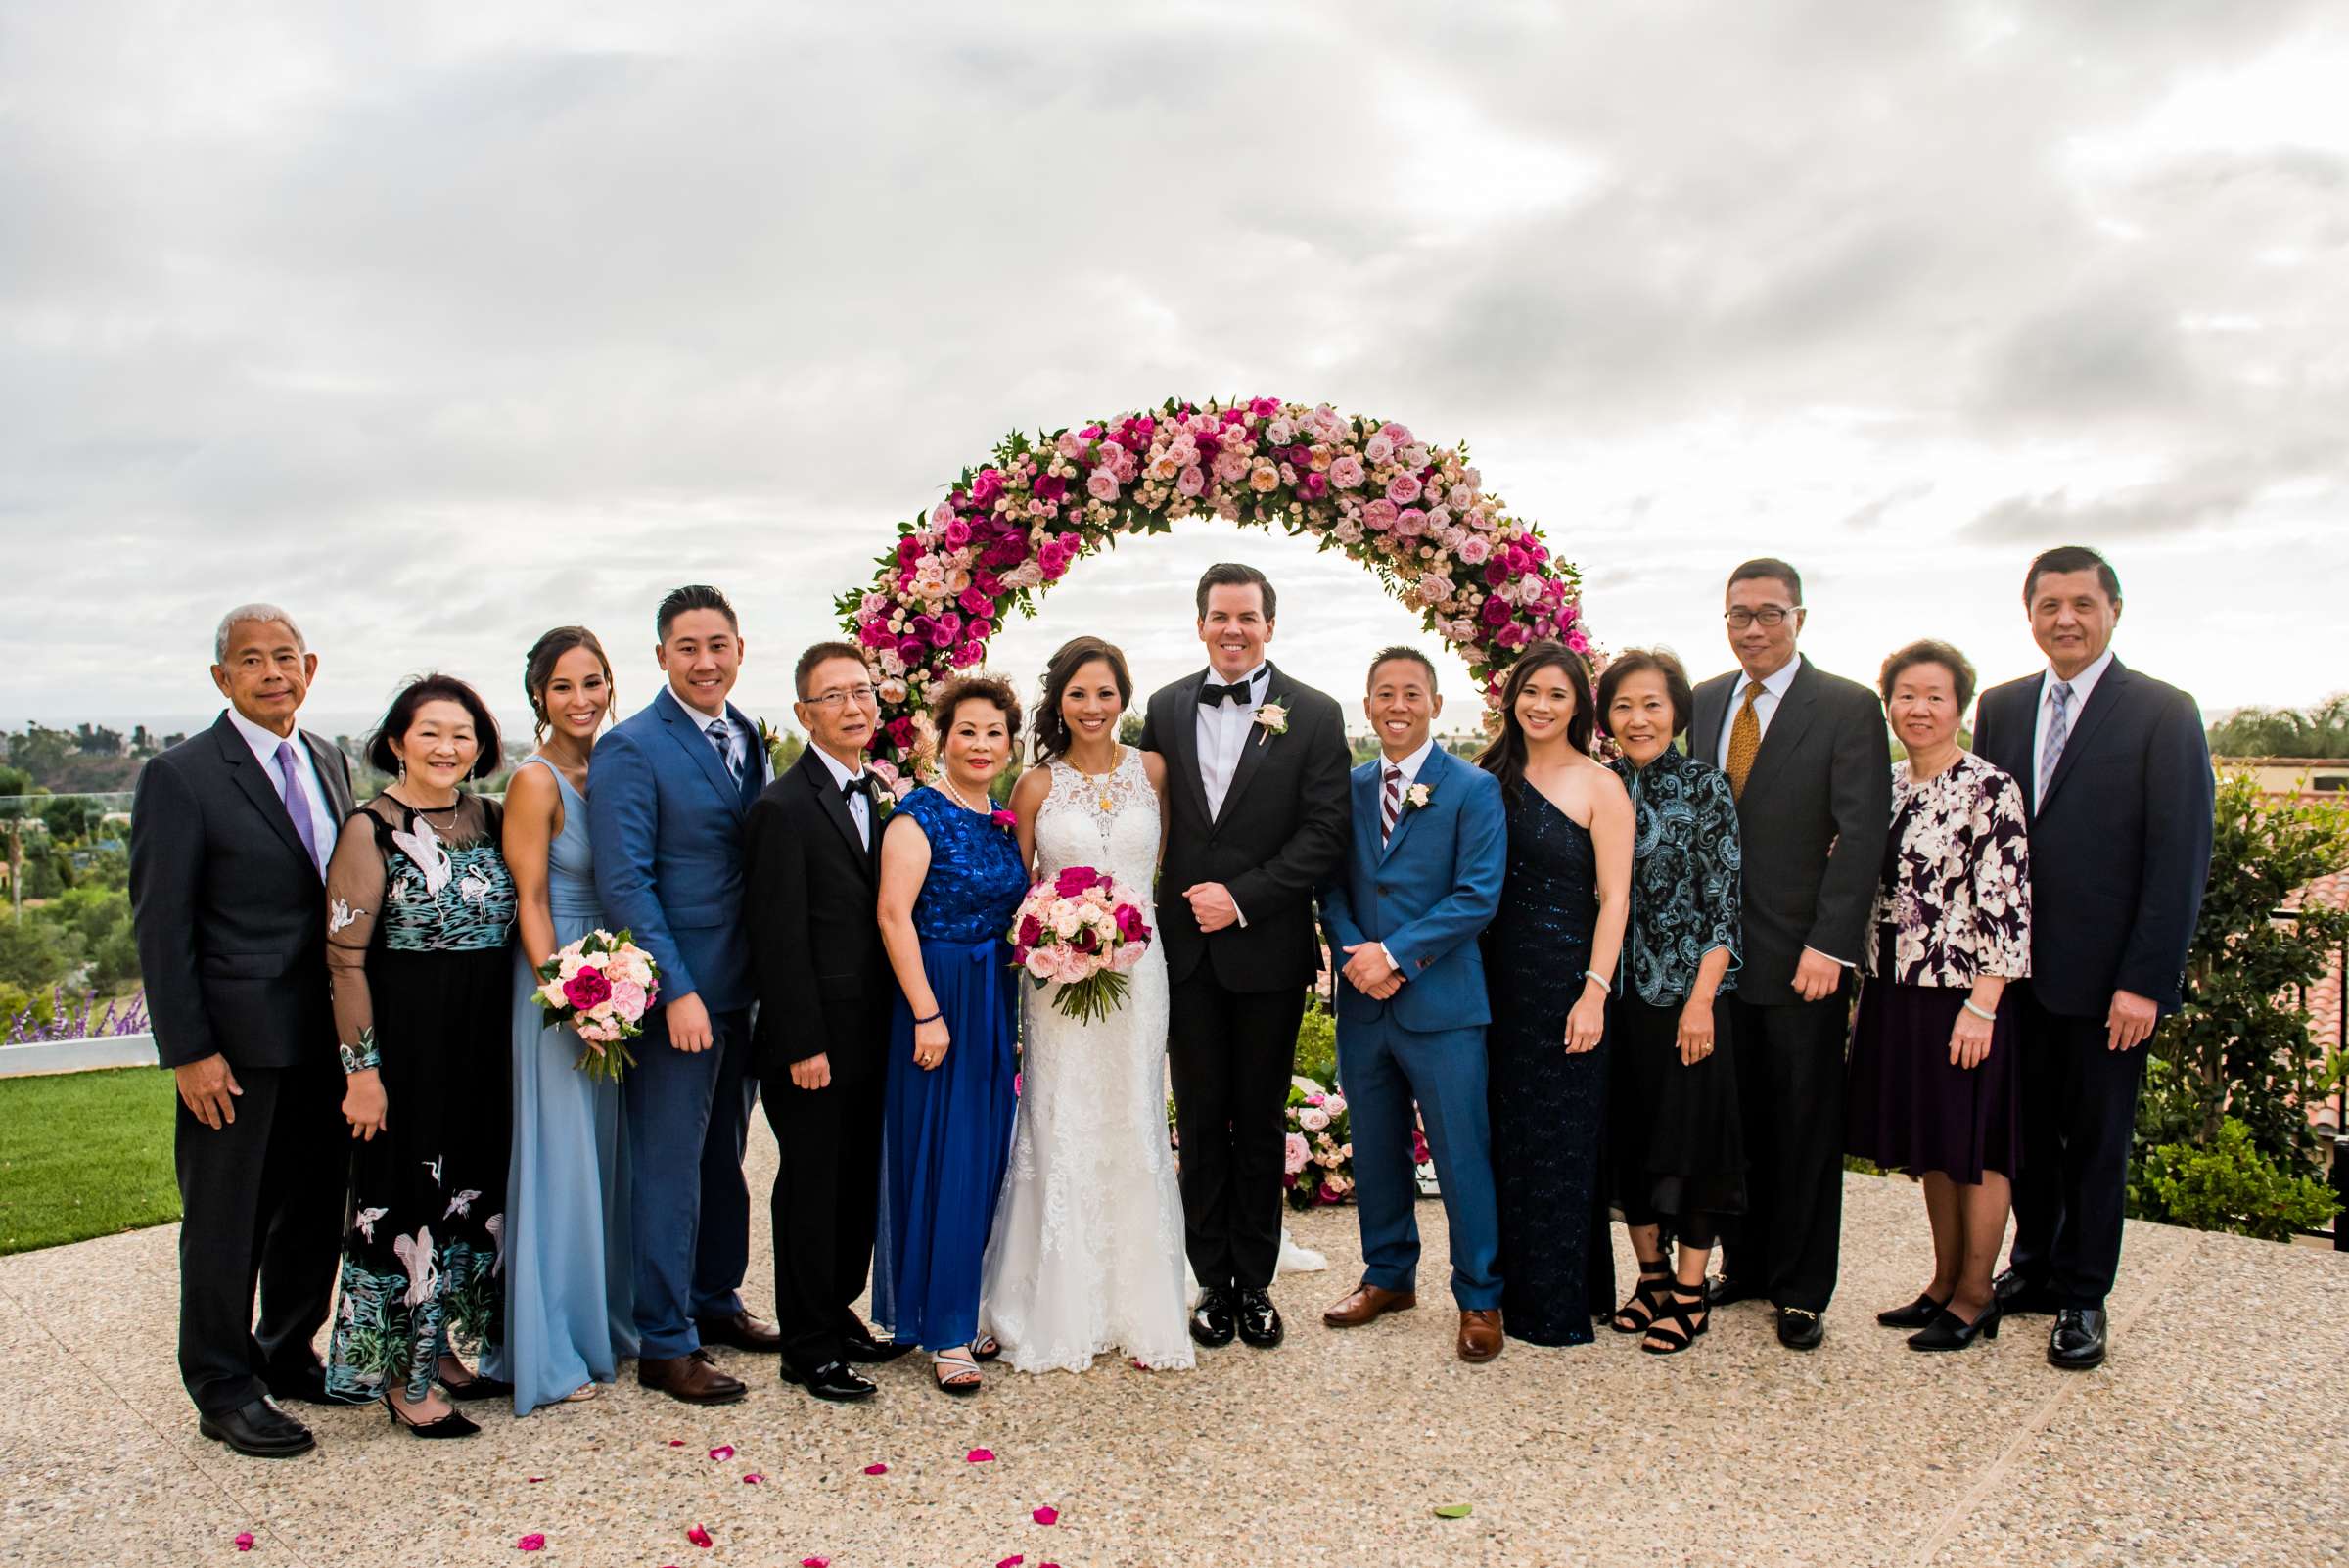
pixel 601 986
pixel 1078 932
pixel 1318 1166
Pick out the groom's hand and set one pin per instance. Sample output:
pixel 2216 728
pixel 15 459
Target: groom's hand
pixel 689 1023
pixel 1211 905
pixel 812 1074
pixel 1367 968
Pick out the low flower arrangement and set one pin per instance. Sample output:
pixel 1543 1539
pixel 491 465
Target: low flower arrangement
pixel 1078 932
pixel 601 986
pixel 1320 1162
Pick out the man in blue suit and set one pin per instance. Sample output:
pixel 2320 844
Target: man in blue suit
pixel 668 791
pixel 1420 882
pixel 2117 770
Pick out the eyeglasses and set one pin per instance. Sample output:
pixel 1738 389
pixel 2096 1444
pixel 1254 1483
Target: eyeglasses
pixel 1769 615
pixel 861 696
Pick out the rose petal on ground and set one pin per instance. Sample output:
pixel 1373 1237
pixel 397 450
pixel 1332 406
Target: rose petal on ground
pixel 875 1469
pixel 1013 1561
pixel 980 1456
pixel 533 1541
pixel 752 1479
pixel 676 1443
pixel 244 1541
pixel 1046 1515
pixel 815 1562
pixel 725 1450
pixel 533 1479
pixel 699 1536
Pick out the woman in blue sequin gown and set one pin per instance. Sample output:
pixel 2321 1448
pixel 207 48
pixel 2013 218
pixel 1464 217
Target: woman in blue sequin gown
pixel 951 882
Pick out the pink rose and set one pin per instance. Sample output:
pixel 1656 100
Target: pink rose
pixel 1347 472
pixel 1410 522
pixel 628 1001
pixel 1400 434
pixel 1190 481
pixel 1102 485
pixel 1297 1155
pixel 1040 963
pixel 1404 489
pixel 1378 449
pixel 1068 446
pixel 1379 515
pixel 1475 549
pixel 1264 478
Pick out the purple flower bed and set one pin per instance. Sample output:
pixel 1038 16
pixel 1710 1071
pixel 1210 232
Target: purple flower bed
pixel 77 1017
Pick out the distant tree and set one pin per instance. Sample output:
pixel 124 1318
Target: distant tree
pixel 96 740
pixel 41 750
pixel 2321 731
pixel 1129 727
pixel 71 818
pixel 34 954
pixel 14 780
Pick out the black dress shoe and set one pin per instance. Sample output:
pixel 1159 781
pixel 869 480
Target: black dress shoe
pixel 1723 1291
pixel 1950 1332
pixel 1216 1319
pixel 259 1430
pixel 304 1383
pixel 741 1331
pixel 1799 1330
pixel 1260 1320
pixel 477 1386
pixel 2077 1342
pixel 1916 1314
pixel 860 1347
pixel 2019 1297
pixel 833 1380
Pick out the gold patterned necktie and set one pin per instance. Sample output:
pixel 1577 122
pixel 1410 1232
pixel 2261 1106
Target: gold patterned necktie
pixel 1745 740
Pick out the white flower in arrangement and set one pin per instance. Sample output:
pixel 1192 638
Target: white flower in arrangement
pixel 1312 1117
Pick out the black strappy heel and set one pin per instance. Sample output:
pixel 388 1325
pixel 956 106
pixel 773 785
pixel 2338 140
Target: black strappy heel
pixel 1654 1285
pixel 1676 1321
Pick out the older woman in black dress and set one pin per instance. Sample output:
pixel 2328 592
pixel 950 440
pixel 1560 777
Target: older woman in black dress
pixel 1933 1074
pixel 1676 1141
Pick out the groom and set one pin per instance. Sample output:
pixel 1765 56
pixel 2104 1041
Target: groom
pixel 1256 768
pixel 668 791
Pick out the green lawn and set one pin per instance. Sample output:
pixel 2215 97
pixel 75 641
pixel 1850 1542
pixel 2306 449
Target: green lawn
pixel 84 1154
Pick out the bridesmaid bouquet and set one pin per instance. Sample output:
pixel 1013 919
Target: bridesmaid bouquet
pixel 601 986
pixel 1076 929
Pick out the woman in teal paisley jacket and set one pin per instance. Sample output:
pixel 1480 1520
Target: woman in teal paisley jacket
pixel 1678 1145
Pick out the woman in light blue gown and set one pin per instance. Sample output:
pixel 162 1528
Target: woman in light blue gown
pixel 568 1306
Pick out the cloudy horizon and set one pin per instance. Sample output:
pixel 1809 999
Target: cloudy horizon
pixel 442 326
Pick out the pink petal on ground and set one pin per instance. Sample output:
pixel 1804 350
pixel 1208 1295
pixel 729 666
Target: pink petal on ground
pixel 725 1450
pixel 980 1456
pixel 244 1541
pixel 752 1479
pixel 533 1541
pixel 699 1536
pixel 1046 1515
pixel 1012 1561
pixel 875 1469
pixel 676 1443
pixel 815 1562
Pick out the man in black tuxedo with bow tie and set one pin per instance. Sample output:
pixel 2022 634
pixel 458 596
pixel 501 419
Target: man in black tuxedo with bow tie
pixel 1260 808
pixel 811 873
pixel 2117 770
pixel 230 832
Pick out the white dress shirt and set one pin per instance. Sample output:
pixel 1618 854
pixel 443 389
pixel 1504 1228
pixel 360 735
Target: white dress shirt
pixel 264 743
pixel 2082 684
pixel 859 807
pixel 1774 689
pixel 1409 767
pixel 1225 732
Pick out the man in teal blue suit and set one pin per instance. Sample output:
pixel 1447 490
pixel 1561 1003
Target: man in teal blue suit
pixel 1420 882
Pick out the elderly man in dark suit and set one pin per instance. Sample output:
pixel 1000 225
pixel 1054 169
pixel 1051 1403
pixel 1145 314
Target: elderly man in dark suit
pixel 1808 757
pixel 230 832
pixel 2117 770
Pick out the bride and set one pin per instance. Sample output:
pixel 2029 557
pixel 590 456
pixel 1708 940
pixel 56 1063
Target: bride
pixel 1086 1256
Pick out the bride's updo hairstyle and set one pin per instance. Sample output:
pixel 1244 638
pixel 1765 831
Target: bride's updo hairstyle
pixel 1051 731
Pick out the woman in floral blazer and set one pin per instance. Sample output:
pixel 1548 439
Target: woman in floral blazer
pixel 1933 1076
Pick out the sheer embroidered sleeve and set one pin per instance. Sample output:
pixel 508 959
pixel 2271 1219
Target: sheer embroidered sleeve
pixel 2002 877
pixel 355 899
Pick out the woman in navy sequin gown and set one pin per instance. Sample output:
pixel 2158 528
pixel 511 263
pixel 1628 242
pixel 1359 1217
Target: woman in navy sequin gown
pixel 951 879
pixel 1549 954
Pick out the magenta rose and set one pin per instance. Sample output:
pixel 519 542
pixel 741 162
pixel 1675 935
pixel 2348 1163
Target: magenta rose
pixel 587 989
pixel 1315 486
pixel 1264 407
pixel 1051 487
pixel 978 629
pixel 913 650
pixel 1495 613
pixel 875 633
pixel 909 550
pixel 1131 925
pixel 956 535
pixel 1075 880
pixel 986 486
pixel 977 603
pixel 1032 931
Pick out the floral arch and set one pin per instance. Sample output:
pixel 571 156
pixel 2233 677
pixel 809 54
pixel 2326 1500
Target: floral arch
pixel 1415 515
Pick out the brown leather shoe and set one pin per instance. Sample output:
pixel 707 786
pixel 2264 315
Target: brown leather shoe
pixel 694 1378
pixel 740 1330
pixel 1369 1302
pixel 1480 1335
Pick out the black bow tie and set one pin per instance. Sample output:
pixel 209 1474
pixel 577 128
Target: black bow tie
pixel 1237 694
pixel 861 784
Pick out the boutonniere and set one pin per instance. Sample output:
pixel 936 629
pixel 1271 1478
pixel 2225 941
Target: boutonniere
pixel 1416 796
pixel 772 740
pixel 1273 719
pixel 1005 820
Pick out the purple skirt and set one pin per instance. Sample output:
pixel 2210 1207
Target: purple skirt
pixel 1911 1110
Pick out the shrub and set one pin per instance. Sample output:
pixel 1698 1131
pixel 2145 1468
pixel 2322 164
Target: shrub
pixel 2228 1184
pixel 1317 1046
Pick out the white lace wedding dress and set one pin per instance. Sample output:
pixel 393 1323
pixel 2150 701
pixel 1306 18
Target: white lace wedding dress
pixel 1086 1257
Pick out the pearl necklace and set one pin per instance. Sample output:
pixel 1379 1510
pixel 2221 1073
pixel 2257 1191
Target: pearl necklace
pixel 955 795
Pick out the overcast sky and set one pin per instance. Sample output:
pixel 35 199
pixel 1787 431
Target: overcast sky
pixel 444 323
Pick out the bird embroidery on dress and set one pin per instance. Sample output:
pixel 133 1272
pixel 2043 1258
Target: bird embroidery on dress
pixel 475 889
pixel 462 1202
pixel 340 916
pixel 424 848
pixel 434 1166
pixel 365 1221
pixel 495 1224
pixel 424 1271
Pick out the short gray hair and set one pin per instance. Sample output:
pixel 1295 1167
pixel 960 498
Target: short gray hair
pixel 251 611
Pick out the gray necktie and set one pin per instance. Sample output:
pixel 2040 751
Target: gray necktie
pixel 721 735
pixel 2059 730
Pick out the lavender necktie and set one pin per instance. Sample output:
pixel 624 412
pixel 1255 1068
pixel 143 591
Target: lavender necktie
pixel 2059 730
pixel 297 800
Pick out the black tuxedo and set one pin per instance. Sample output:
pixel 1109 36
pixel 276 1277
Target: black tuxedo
pixel 1812 820
pixel 810 888
pixel 230 914
pixel 2120 851
pixel 1238 995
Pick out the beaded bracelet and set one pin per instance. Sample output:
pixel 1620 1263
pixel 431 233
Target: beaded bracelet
pixel 362 1057
pixel 1986 1017
pixel 931 1019
pixel 1604 983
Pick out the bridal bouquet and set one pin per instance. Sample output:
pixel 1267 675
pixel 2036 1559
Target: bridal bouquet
pixel 1077 930
pixel 601 986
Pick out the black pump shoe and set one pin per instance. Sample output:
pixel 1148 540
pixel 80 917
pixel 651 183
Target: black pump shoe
pixel 1260 1320
pixel 452 1425
pixel 1950 1332
pixel 1918 1313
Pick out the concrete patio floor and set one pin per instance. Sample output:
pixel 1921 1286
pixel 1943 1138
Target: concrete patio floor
pixel 2216 1435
